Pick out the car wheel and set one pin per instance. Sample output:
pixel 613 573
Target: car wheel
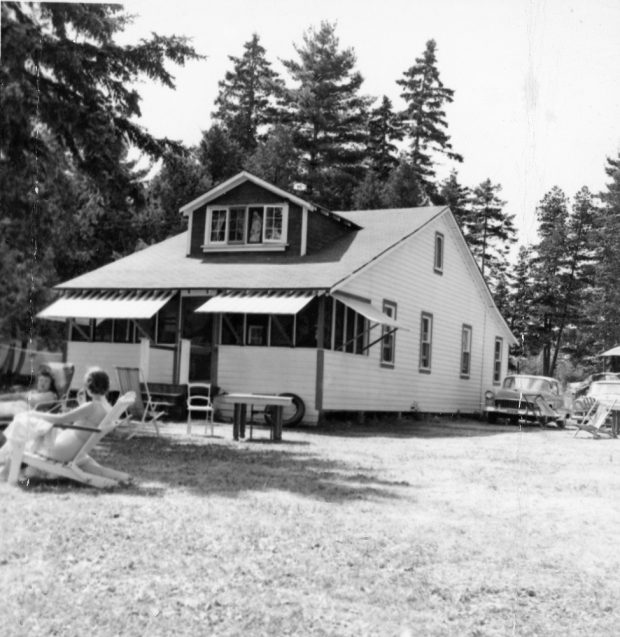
pixel 492 417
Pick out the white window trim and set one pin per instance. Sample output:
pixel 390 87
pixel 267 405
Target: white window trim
pixel 426 368
pixel 439 238
pixel 390 308
pixel 264 245
pixel 498 359
pixel 466 349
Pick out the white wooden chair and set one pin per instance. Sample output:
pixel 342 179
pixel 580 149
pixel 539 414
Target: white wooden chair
pixel 199 399
pixel 82 468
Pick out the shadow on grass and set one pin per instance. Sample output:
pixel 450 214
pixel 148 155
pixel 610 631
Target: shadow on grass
pixel 422 429
pixel 232 469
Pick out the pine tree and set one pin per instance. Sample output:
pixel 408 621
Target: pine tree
pixel 547 265
pixel 457 197
pixel 67 116
pixel 519 315
pixel 424 117
pixel 490 231
pixel 220 154
pixel 384 128
pixel 276 159
pixel 403 189
pixel 328 115
pixel 606 295
pixel 181 179
pixel 246 101
pixel 368 194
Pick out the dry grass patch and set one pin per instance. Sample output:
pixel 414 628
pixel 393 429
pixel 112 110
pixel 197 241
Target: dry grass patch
pixel 400 529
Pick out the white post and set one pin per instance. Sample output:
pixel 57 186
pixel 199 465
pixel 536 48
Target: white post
pixel 145 357
pixel 186 346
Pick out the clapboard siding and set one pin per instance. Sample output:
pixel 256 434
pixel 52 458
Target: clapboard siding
pixel 105 355
pixel 161 365
pixel 269 370
pixel 406 276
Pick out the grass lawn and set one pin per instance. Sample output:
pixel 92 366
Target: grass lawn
pixel 411 528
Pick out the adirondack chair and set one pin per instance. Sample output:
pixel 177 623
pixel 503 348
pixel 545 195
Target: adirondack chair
pixel 142 412
pixel 82 468
pixel 596 417
pixel 62 373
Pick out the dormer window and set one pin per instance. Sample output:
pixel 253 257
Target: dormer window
pixel 250 227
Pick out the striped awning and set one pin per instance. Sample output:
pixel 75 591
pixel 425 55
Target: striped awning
pixel 248 303
pixel 368 310
pixel 107 304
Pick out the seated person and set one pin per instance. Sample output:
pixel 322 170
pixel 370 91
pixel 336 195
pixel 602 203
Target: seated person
pixel 16 402
pixel 33 429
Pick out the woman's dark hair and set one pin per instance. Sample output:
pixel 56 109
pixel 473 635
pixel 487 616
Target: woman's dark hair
pixel 97 381
pixel 48 374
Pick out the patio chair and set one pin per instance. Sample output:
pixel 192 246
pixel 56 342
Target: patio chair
pixel 596 418
pixel 145 410
pixel 199 399
pixel 82 468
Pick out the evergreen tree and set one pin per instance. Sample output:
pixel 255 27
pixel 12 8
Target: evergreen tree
pixel 276 159
pixel 424 117
pixel 180 180
pixel 457 197
pixel 547 264
pixel 220 154
pixel 384 128
pixel 368 194
pixel 328 115
pixel 490 231
pixel 403 189
pixel 519 315
pixel 606 294
pixel 247 96
pixel 67 116
pixel 576 277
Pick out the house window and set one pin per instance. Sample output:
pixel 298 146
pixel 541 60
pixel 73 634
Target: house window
pixel 234 227
pixel 465 351
pixel 388 343
pixel 438 262
pixel 426 342
pixel 497 359
pixel 218 226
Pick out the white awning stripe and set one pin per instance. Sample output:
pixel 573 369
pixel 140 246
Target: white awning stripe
pixel 109 304
pixel 368 310
pixel 256 304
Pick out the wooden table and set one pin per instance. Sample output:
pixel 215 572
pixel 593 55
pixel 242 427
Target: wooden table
pixel 240 404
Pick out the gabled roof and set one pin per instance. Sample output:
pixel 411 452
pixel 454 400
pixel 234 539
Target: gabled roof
pixel 235 181
pixel 166 266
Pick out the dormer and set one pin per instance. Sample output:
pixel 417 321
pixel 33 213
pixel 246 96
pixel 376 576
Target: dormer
pixel 246 214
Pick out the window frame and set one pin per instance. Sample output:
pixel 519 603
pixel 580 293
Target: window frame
pixel 389 308
pixel 498 360
pixel 440 244
pixel 466 343
pixel 267 212
pixel 426 369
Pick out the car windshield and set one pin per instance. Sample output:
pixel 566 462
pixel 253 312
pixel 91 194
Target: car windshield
pixel 527 384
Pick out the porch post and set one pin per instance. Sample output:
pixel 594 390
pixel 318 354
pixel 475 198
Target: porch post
pixel 145 355
pixel 185 349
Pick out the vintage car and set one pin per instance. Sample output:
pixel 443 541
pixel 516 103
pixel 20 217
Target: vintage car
pixel 582 388
pixel 606 390
pixel 531 398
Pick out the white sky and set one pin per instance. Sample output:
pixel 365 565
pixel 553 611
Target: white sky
pixel 537 94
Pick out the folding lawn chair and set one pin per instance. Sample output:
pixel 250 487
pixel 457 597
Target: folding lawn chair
pixel 143 412
pixel 82 468
pixel 596 418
